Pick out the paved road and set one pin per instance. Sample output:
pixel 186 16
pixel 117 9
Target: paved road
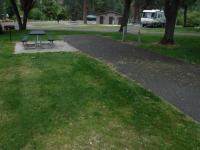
pixel 173 80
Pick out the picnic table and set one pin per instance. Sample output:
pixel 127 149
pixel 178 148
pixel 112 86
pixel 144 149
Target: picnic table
pixel 37 33
pixel 38 42
pixel 9 27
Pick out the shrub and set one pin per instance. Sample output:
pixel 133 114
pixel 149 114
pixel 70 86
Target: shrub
pixel 179 18
pixel 193 18
pixel 36 14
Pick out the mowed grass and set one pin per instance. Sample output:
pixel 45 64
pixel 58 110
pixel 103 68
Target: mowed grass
pixel 186 48
pixel 178 29
pixel 71 101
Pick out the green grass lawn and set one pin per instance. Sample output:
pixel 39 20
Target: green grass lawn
pixel 71 101
pixel 187 48
pixel 177 30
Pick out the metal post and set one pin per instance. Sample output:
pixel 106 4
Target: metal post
pixel 10 35
pixel 124 33
pixel 139 31
pixel 139 35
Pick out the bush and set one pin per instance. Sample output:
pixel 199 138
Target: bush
pixel 36 14
pixel 193 18
pixel 180 18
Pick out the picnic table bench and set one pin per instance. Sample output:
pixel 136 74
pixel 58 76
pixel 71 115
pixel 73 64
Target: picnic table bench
pixel 51 40
pixel 24 40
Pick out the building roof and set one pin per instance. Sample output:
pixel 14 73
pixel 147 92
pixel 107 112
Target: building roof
pixel 153 10
pixel 107 12
pixel 91 16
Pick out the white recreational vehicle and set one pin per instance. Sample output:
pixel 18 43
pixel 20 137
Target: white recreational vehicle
pixel 153 18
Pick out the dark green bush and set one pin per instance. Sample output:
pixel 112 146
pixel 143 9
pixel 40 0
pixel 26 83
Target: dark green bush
pixel 193 18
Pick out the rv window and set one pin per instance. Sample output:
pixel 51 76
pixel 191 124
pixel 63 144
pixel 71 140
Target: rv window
pixel 149 15
pixel 153 15
pixel 146 15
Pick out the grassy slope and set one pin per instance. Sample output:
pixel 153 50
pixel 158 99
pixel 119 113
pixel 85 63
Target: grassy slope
pixel 67 100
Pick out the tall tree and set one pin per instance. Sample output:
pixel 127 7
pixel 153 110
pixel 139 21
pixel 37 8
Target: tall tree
pixel 171 10
pixel 26 6
pixel 126 12
pixel 73 8
pixel 1 11
pixel 85 11
pixel 185 4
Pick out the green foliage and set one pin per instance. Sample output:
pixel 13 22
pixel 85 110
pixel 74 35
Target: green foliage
pixel 196 6
pixel 2 6
pixel 52 9
pixel 193 18
pixel 102 5
pixel 150 4
pixel 187 2
pixel 74 8
pixel 36 14
pixel 5 8
pixel 180 18
pixel 61 14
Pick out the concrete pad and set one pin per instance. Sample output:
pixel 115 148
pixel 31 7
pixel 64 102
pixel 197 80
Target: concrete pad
pixel 59 46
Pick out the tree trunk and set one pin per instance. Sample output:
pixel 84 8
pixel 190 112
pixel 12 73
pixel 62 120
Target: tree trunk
pixel 171 10
pixel 125 15
pixel 25 18
pixel 26 6
pixel 1 29
pixel 85 11
pixel 136 12
pixel 185 16
pixel 19 20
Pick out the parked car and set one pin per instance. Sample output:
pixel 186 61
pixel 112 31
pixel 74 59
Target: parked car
pixel 153 18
